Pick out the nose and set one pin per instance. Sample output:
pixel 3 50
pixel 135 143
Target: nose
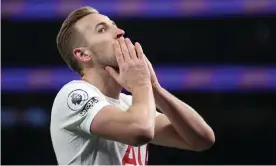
pixel 119 33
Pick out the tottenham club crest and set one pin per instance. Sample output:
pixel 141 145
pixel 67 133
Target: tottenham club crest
pixel 77 99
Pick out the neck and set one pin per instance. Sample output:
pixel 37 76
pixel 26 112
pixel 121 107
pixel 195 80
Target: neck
pixel 101 79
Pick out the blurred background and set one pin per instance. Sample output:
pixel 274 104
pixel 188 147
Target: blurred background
pixel 218 56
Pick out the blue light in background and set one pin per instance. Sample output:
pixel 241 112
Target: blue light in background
pixel 8 117
pixel 36 117
pixel 178 78
pixel 50 9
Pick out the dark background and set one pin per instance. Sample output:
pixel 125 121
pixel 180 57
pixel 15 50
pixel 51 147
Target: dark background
pixel 244 122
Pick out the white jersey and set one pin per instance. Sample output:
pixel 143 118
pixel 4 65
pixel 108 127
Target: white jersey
pixel 74 108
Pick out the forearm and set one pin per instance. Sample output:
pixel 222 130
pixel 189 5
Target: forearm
pixel 143 106
pixel 187 122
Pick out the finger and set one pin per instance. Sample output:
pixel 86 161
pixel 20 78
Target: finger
pixel 131 49
pixel 124 49
pixel 113 73
pixel 139 50
pixel 147 60
pixel 118 53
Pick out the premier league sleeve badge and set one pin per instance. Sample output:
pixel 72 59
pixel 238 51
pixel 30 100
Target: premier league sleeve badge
pixel 77 99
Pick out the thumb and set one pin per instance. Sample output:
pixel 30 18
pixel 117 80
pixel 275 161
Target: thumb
pixel 112 72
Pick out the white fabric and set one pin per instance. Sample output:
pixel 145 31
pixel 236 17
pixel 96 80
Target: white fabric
pixel 74 108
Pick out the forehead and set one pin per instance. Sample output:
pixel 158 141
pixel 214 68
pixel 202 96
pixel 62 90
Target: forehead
pixel 91 21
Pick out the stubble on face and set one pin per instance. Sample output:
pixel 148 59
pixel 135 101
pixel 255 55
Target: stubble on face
pixel 104 57
pixel 100 45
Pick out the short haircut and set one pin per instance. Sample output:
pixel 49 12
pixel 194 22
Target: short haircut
pixel 68 38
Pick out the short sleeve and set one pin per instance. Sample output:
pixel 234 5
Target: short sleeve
pixel 83 102
pixel 128 100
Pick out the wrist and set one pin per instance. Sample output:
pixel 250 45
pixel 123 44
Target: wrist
pixel 157 90
pixel 142 88
pixel 143 94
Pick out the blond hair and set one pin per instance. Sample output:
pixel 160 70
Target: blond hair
pixel 68 37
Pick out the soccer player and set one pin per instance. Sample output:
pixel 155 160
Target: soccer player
pixel 92 122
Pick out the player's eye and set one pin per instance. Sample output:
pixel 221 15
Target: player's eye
pixel 102 30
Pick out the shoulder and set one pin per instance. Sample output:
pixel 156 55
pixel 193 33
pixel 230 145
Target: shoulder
pixel 79 85
pixel 76 93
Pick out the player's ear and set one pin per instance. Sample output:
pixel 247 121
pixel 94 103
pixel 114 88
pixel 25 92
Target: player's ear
pixel 82 54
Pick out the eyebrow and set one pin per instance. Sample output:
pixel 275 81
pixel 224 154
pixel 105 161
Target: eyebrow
pixel 104 23
pixel 101 23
